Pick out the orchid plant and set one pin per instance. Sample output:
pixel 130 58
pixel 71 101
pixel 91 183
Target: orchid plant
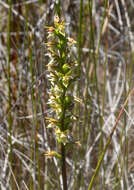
pixel 61 69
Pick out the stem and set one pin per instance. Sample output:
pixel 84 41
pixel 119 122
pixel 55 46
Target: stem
pixel 109 141
pixel 9 92
pixel 63 165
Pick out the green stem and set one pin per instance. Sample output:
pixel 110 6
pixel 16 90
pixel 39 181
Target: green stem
pixel 63 166
pixel 34 121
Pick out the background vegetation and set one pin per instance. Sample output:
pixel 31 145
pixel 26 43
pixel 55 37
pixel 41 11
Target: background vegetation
pixel 104 52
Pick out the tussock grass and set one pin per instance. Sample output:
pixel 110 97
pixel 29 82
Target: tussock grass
pixel 104 54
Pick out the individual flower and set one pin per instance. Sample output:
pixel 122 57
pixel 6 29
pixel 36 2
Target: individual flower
pixel 56 19
pixel 50 44
pixel 51 154
pixel 71 40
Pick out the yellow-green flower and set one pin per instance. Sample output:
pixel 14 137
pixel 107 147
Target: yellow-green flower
pixel 51 154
